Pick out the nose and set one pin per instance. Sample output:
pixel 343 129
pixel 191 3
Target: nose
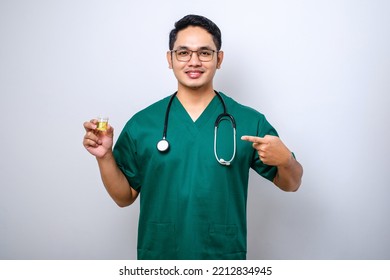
pixel 194 59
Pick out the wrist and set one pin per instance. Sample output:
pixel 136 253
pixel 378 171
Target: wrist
pixel 290 158
pixel 106 156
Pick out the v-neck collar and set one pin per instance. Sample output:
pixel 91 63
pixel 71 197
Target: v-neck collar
pixel 204 117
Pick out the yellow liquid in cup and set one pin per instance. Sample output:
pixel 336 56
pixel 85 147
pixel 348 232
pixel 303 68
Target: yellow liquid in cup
pixel 102 126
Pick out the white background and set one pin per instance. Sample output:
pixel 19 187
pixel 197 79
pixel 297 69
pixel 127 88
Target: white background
pixel 319 70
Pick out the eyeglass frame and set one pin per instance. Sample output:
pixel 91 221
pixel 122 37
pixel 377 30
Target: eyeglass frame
pixel 197 52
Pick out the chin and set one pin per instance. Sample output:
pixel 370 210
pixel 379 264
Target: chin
pixel 195 86
pixel 192 86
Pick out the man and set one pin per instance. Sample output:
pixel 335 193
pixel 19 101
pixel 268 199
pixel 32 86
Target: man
pixel 193 202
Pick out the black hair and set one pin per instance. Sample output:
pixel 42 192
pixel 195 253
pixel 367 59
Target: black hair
pixel 195 20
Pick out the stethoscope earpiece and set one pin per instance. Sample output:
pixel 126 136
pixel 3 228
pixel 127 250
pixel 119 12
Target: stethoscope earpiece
pixel 224 162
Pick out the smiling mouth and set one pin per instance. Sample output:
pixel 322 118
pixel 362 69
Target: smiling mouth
pixel 194 74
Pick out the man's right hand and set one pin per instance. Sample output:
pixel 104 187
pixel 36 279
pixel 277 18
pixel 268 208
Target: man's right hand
pixel 98 143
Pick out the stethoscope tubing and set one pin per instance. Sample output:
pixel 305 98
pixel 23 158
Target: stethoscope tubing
pixel 163 144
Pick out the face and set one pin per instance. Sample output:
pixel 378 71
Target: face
pixel 194 74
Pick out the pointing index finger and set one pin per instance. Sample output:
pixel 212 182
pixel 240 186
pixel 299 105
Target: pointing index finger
pixel 253 139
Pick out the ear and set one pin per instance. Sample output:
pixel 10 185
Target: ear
pixel 169 59
pixel 219 59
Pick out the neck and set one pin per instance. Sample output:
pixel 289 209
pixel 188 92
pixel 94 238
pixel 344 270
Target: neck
pixel 195 101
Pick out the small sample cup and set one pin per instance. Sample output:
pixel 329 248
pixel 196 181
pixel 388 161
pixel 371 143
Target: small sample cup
pixel 102 123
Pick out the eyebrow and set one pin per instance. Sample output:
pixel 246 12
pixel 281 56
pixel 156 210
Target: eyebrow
pixel 187 48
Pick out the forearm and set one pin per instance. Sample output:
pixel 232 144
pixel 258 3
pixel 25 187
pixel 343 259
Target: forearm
pixel 289 176
pixel 115 181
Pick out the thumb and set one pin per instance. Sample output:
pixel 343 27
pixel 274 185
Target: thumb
pixel 110 130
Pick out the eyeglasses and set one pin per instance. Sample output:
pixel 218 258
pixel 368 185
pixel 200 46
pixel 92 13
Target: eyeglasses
pixel 185 55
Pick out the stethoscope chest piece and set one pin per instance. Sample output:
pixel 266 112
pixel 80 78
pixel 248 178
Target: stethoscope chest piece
pixel 163 145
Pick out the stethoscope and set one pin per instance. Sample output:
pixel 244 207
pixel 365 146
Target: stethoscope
pixel 163 144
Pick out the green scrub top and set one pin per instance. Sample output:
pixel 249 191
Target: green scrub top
pixel 191 206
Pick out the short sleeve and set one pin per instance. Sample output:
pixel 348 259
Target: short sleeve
pixel 125 155
pixel 266 171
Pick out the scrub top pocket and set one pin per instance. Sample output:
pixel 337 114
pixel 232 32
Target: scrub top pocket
pixel 223 239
